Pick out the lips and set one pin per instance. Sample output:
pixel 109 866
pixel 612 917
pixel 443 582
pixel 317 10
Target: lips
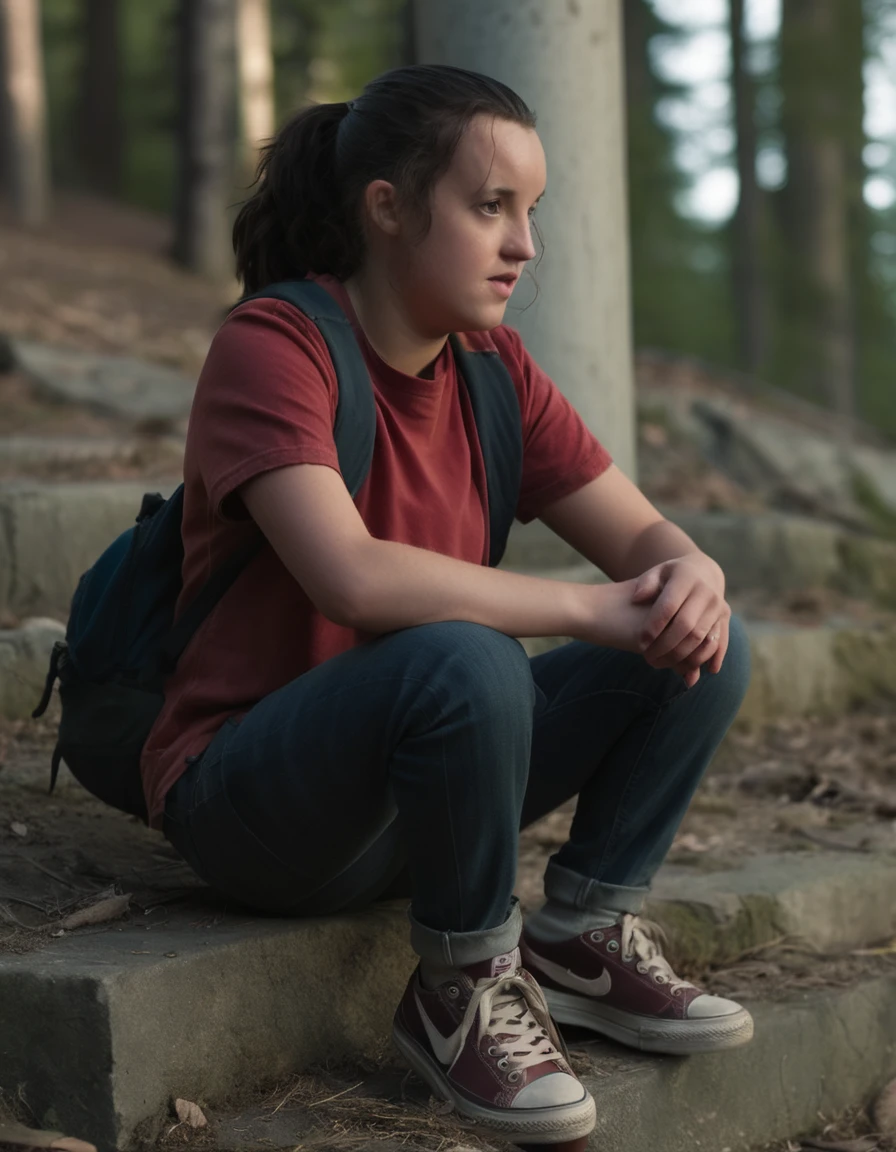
pixel 504 285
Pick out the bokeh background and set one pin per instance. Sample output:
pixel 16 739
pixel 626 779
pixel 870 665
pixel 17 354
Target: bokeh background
pixel 761 158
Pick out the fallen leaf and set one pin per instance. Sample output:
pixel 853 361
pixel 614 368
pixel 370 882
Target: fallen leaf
pixel 18 829
pixel 99 913
pixel 190 1113
pixel 884 1110
pixel 36 1138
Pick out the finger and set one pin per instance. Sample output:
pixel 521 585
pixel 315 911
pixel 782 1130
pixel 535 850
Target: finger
pixel 667 606
pixel 704 655
pixel 648 587
pixel 687 631
pixel 714 665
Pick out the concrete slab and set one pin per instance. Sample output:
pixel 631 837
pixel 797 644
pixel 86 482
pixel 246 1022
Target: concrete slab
pixel 100 1030
pixel 830 901
pixel 24 656
pixel 51 533
pixel 821 1051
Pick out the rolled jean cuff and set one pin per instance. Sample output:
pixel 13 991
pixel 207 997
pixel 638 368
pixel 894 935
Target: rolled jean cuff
pixel 587 895
pixel 457 949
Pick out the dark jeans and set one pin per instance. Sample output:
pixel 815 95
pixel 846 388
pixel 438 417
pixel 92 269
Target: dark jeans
pixel 429 748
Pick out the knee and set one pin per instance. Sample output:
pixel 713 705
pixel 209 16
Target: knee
pixel 477 667
pixel 734 678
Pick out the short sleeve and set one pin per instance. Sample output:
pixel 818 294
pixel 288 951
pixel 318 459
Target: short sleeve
pixel 266 398
pixel 560 453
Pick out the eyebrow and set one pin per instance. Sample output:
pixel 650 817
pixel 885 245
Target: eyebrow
pixel 508 192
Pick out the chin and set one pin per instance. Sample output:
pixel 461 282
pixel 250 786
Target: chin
pixel 482 319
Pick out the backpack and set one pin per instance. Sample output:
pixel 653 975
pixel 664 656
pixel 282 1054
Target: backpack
pixel 122 640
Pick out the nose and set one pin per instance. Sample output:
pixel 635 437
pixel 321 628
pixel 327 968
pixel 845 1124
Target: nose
pixel 519 244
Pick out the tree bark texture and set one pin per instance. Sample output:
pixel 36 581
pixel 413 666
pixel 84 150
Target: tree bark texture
pixel 207 129
pixel 100 125
pixel 256 79
pixel 749 297
pixel 817 60
pixel 26 115
pixel 568 68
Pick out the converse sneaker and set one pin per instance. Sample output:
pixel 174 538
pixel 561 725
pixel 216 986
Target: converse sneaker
pixel 484 1040
pixel 616 981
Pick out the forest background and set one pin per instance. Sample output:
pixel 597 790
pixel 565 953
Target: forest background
pixel 761 161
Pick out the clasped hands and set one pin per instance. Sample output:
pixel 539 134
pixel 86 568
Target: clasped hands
pixel 686 623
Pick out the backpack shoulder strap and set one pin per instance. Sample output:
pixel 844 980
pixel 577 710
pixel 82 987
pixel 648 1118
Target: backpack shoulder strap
pixel 499 424
pixel 354 430
pixel 355 426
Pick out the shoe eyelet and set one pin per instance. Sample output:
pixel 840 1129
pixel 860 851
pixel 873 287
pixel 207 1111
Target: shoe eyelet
pixel 494 1051
pixel 627 959
pixel 675 991
pixel 453 991
pixel 659 979
pixel 512 1077
pixel 503 1063
pixel 612 945
pixel 596 937
pixel 642 967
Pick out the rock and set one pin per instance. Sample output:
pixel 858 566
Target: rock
pixel 115 385
pixel 783 461
pixel 24 658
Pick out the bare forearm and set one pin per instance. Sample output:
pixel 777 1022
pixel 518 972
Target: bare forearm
pixel 664 541
pixel 399 586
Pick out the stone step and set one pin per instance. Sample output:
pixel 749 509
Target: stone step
pixel 51 533
pixel 815 1054
pixel 772 551
pixel 102 1029
pixel 24 659
pixel 808 1061
pixel 830 901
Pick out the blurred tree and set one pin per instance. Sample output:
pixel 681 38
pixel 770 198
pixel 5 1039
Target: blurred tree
pixel 256 80
pixel 821 65
pixel 100 127
pixel 748 292
pixel 22 75
pixel 206 136
pixel 680 279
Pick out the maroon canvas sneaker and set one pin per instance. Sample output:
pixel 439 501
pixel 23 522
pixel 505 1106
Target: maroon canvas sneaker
pixel 485 1041
pixel 616 981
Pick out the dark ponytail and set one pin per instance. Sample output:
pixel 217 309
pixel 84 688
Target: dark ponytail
pixel 305 213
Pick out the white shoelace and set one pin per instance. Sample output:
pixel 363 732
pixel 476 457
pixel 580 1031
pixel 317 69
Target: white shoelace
pixel 515 1014
pixel 639 940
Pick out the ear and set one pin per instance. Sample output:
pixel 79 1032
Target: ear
pixel 381 204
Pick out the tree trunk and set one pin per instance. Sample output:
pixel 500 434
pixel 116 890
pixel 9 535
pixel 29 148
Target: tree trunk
pixel 207 68
pixel 748 286
pixel 25 98
pixel 816 77
pixel 569 69
pixel 256 78
pixel 100 128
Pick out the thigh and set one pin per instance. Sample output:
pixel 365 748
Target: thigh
pixel 588 699
pixel 290 808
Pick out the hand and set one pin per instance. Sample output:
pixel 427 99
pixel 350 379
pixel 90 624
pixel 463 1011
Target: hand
pixel 687 625
pixel 611 618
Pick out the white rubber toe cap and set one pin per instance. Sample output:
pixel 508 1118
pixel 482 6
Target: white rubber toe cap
pixel 704 1007
pixel 550 1091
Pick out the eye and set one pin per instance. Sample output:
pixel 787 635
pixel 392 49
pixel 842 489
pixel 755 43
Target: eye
pixel 491 207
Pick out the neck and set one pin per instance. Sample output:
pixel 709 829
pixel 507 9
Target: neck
pixel 388 326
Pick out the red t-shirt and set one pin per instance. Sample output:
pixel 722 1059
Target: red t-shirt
pixel 266 398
